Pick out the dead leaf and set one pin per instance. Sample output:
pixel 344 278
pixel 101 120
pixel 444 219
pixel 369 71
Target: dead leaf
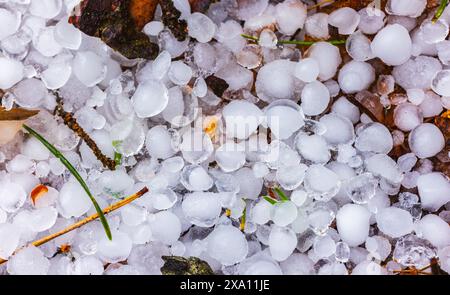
pixel 370 104
pixel 16 114
pixel 142 11
pixel 11 122
pixel 38 192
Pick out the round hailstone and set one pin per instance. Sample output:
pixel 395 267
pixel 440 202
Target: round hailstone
pixel 56 75
pixel 160 143
pixel 315 98
pixel 115 250
pixel 227 244
pixel 161 65
pixel 73 200
pixel 284 213
pixel 394 222
pixel 196 178
pixel 434 32
pixel 441 83
pixel 282 242
pixel 291 176
pixel 261 213
pixel 153 28
pixel 201 27
pixel 202 209
pixel 298 264
pixel 9 239
pixel 299 197
pixel 434 229
pixel 346 19
pixel 444 258
pixel 196 147
pixel 133 215
pixel 328 57
pixel 268 39
pixel 170 232
pixel 356 76
pixel 11 72
pixel 345 108
pixel 358 47
pixel 89 68
pixel 35 150
pixel 290 16
pixel 431 105
pixel 426 140
pixel 28 261
pixel 313 147
pixel 411 8
pixel 316 26
pixel 374 137
pixel 284 118
pixel 322 182
pixel 250 186
pixel 360 189
pixel 45 8
pixel 417 72
pixel 434 190
pixel 392 45
pixel 12 196
pixel 372 20
pixel 30 93
pixel 180 73
pixel 415 96
pixel 324 246
pixel 150 99
pixel 275 80
pixel 342 252
pixel 230 156
pixel 339 130
pixel 45 42
pixel 242 118
pixel 407 116
pixel 307 70
pixel 10 22
pixel 353 224
pixel 67 35
pixel 383 166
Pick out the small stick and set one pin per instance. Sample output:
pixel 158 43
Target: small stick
pixel 93 217
pixel 72 123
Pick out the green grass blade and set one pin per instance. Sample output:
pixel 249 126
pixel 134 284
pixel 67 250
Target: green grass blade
pixel 440 10
pixel 270 200
pixel 281 194
pixel 75 173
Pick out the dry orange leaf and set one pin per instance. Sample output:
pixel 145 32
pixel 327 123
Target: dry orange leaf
pixel 142 11
pixel 38 192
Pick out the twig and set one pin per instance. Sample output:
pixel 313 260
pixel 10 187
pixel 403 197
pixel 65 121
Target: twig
pixel 87 220
pixel 71 122
pixel 296 42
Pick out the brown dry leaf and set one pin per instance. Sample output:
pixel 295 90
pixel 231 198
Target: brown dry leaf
pixel 142 11
pixel 370 104
pixel 16 114
pixel 11 122
pixel 38 192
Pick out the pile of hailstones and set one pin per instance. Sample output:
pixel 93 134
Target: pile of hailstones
pixel 351 208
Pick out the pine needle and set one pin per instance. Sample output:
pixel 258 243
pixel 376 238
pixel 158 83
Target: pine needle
pixel 87 220
pixel 75 173
pixel 270 200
